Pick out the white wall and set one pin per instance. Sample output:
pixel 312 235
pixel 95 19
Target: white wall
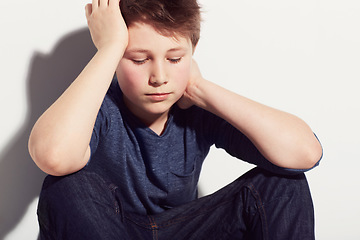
pixel 299 56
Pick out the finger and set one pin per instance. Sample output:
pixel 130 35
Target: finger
pixel 103 3
pixel 88 10
pixel 95 4
pixel 114 3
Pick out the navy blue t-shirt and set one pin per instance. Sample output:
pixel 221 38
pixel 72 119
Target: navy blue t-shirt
pixel 155 173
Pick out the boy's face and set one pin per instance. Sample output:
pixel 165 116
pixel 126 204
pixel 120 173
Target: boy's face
pixel 154 71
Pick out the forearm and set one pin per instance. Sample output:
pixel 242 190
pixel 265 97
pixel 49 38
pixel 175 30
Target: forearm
pixel 282 138
pixel 59 141
pixel 61 136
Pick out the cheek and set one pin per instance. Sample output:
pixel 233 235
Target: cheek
pixel 129 77
pixel 182 76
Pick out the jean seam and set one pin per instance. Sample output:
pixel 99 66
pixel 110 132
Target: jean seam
pixel 154 228
pixel 182 219
pixel 117 201
pixel 261 210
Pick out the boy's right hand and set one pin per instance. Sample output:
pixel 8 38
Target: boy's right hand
pixel 59 140
pixel 106 24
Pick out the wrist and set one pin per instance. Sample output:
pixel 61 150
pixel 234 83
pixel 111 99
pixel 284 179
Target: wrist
pixel 115 48
pixel 197 92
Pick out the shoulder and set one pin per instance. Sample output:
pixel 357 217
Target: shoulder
pixel 110 111
pixel 113 100
pixel 195 113
pixel 196 118
pixel 114 94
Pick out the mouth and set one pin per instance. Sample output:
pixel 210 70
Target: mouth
pixel 158 97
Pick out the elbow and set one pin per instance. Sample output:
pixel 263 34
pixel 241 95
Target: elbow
pixel 302 158
pixel 46 159
pixel 50 160
pixel 311 156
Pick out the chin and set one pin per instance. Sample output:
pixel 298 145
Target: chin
pixel 159 108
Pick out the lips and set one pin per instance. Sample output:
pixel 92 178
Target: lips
pixel 158 97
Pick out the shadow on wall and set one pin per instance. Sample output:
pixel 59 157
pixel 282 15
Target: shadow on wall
pixel 49 75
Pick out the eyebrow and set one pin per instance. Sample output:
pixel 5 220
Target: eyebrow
pixel 176 49
pixel 137 50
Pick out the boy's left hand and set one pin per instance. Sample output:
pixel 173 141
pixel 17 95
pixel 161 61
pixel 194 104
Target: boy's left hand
pixel 188 99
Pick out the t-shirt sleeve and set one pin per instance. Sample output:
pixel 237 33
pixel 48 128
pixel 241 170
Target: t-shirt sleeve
pixel 101 127
pixel 234 142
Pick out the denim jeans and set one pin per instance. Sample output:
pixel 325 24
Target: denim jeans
pixel 258 205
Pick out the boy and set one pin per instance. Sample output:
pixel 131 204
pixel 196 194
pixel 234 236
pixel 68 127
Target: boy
pixel 124 156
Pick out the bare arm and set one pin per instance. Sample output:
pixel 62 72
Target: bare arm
pixel 59 141
pixel 284 139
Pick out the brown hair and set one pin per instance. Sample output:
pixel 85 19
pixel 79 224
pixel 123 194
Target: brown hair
pixel 168 17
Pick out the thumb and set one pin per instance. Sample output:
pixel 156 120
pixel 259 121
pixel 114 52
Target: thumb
pixel 88 10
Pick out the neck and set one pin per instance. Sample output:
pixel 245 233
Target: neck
pixel 156 123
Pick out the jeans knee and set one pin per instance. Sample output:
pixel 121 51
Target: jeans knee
pixel 73 192
pixel 80 204
pixel 272 186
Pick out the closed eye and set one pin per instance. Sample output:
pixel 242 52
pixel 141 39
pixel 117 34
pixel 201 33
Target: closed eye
pixel 139 61
pixel 174 60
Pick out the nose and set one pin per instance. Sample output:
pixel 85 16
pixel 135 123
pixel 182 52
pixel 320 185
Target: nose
pixel 158 74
